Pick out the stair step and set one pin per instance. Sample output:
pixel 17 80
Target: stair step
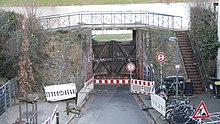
pixel 186 49
pixel 192 62
pixel 191 68
pixel 193 74
pixel 189 54
pixel 199 91
pixel 185 45
pixel 195 78
pixel 188 58
pixel 182 34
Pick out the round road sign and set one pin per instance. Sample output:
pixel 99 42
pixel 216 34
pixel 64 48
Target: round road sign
pixel 130 67
pixel 161 57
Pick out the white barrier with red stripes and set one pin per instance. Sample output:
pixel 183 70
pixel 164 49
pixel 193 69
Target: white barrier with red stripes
pixel 83 94
pixel 142 87
pixel 52 118
pixel 111 81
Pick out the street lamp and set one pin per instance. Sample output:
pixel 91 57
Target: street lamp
pixel 177 66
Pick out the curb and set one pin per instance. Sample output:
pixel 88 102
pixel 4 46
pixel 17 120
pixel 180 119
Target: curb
pixel 81 105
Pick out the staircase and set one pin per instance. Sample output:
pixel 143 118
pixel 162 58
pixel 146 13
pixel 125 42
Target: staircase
pixel 189 60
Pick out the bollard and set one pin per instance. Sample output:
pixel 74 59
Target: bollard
pixel 57 118
pixel 67 107
pixel 36 116
pixel 19 110
pixel 27 111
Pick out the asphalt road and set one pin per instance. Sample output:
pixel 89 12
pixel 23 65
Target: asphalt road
pixel 111 105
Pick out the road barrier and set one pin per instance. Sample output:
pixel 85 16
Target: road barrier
pixel 53 118
pixel 112 81
pixel 142 87
pixel 83 94
pixel 158 103
pixel 60 92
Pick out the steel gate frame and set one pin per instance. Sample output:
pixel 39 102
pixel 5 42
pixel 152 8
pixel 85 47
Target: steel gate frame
pixel 108 55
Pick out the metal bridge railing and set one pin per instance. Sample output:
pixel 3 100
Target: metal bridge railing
pixel 110 19
pixel 8 92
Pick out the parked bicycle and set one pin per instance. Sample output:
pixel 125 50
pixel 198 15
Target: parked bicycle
pixel 179 110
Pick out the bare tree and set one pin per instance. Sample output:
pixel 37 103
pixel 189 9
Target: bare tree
pixel 29 44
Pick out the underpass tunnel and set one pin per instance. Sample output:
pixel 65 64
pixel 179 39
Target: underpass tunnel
pixel 111 53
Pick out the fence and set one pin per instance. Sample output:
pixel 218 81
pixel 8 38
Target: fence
pixel 8 92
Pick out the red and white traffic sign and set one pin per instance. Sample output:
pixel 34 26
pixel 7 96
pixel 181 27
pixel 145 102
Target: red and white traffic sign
pixel 201 111
pixel 130 67
pixel 161 57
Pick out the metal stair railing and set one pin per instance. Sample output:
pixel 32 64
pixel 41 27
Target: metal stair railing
pixel 199 58
pixel 110 20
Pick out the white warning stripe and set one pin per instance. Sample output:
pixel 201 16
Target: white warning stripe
pixel 111 81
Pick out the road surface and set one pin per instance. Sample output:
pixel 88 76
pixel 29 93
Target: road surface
pixel 111 105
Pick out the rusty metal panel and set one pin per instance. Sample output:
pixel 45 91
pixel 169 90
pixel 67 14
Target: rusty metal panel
pixel 110 58
pixel 142 45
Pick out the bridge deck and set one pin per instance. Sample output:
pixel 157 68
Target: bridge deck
pixel 109 20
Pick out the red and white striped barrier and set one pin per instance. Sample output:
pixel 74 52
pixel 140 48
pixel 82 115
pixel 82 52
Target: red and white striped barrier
pixel 111 81
pixel 142 87
pixel 53 118
pixel 83 94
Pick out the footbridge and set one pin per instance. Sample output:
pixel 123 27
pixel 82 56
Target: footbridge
pixel 111 20
pixel 109 59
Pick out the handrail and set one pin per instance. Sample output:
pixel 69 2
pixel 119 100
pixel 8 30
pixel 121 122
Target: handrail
pixel 110 19
pixel 105 12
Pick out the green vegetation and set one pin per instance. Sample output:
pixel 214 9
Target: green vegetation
pixel 204 32
pixel 79 2
pixel 108 37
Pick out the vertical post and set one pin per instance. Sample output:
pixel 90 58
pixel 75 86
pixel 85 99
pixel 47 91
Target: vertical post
pixel 218 57
pixel 161 74
pixel 131 84
pixel 33 111
pixel 67 107
pixel 177 67
pixel 19 111
pixel 36 112
pixel 10 92
pixel 27 111
pixel 57 118
pixel 5 97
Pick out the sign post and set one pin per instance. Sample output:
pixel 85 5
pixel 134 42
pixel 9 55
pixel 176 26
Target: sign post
pixel 130 67
pixel 161 57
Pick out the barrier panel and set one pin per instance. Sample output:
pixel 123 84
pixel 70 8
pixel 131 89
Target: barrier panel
pixel 83 94
pixel 60 92
pixel 142 87
pixel 52 118
pixel 112 81
pixel 158 103
pixel 47 121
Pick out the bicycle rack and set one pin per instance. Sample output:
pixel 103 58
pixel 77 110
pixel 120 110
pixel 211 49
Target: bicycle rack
pixel 213 119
